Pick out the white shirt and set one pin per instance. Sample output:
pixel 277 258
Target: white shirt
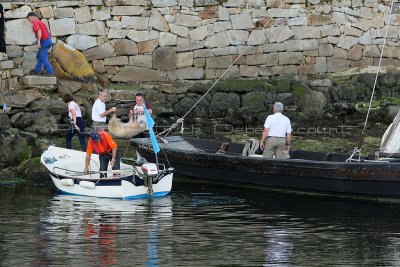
pixel 98 108
pixel 75 106
pixel 278 125
pixel 140 117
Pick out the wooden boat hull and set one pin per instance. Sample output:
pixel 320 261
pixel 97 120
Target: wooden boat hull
pixel 64 166
pixel 367 178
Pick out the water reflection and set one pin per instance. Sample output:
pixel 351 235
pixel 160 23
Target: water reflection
pixel 74 226
pixel 196 226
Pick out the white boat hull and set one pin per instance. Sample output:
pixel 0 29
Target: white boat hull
pixel 64 166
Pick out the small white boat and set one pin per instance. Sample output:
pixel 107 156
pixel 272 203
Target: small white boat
pixel 66 167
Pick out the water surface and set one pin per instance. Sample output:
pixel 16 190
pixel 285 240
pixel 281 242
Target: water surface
pixel 196 225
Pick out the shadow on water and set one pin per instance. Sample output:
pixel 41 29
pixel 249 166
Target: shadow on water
pixel 196 225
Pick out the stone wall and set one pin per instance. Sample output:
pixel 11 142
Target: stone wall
pixel 167 40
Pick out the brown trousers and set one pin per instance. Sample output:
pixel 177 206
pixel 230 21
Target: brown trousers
pixel 275 146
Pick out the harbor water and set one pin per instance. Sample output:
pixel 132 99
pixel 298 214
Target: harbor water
pixel 196 225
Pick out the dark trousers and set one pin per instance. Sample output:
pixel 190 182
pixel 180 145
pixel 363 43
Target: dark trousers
pixel 142 135
pixel 105 160
pixel 81 134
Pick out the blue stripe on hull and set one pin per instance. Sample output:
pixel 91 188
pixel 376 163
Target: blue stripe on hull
pixel 157 194
pixel 141 196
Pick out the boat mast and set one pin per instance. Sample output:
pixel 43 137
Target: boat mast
pixel 357 149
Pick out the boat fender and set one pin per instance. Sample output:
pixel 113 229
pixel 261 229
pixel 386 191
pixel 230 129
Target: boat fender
pixel 87 184
pixel 150 169
pixel 66 182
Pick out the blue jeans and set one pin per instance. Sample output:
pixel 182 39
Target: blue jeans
pixel 81 134
pixel 42 57
pixel 105 159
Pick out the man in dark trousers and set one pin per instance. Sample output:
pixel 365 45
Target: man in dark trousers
pixel 102 144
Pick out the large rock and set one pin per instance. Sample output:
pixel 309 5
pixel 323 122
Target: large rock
pixel 55 107
pixel 42 122
pixel 124 47
pixel 5 120
pixel 72 61
pixel 62 27
pixel 224 104
pixel 309 101
pixel 164 58
pixel 19 32
pixel 22 99
pixel 103 51
pixel 81 42
pixel 13 149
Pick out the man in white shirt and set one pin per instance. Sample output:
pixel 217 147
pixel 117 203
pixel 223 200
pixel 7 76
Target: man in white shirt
pixel 277 134
pixel 99 111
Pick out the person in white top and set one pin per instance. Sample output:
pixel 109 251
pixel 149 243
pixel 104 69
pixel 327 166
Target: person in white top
pixel 99 111
pixel 277 135
pixel 77 125
pixel 137 109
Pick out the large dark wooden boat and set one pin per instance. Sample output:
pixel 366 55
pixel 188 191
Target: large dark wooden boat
pixel 305 171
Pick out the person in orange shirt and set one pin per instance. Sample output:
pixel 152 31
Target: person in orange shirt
pixel 102 144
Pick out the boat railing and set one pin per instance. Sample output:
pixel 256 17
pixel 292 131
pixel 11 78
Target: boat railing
pixel 161 167
pixel 58 170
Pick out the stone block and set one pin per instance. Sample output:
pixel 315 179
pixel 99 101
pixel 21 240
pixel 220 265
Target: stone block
pixel 102 14
pixel 116 61
pixel 184 60
pixel 17 13
pixel 93 2
pixel 188 20
pixel 62 13
pixel 46 12
pixel 164 58
pixel 217 40
pixel 17 72
pixel 124 47
pixel 92 28
pixel 135 74
pixel 242 21
pixel 82 14
pixel 248 71
pixel 167 39
pixel 290 58
pixel 39 80
pixel 145 61
pixel 190 73
pixel 236 37
pixel 19 32
pixel 62 27
pixel 6 65
pixel 127 10
pixel 81 42
pixel 179 30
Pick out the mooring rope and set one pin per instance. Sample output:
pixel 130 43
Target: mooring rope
pixel 180 120
pixel 357 150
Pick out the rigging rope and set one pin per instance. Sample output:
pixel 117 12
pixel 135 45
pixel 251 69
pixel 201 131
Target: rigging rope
pixel 180 120
pixel 357 150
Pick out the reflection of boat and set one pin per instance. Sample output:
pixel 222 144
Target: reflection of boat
pixel 89 204
pixel 65 167
pixel 305 171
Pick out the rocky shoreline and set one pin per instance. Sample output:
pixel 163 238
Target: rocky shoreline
pixel 326 106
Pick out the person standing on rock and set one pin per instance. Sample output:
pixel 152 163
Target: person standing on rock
pixel 99 111
pixel 3 55
pixel 277 135
pixel 77 125
pixel 43 43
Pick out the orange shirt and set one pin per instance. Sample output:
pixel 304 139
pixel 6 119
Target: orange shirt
pixel 110 141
